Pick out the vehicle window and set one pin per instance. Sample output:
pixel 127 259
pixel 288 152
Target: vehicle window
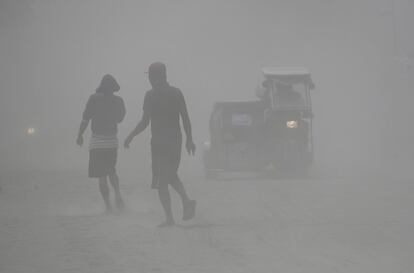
pixel 291 96
pixel 241 120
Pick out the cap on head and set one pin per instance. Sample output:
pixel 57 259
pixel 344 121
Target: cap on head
pixel 157 70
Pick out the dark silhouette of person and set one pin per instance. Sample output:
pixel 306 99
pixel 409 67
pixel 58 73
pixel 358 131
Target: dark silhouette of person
pixel 163 106
pixel 105 110
pixel 287 96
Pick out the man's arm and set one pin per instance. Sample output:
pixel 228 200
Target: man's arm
pixel 141 126
pixel 187 126
pixel 145 120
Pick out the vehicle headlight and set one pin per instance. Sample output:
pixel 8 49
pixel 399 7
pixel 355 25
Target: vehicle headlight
pixel 292 124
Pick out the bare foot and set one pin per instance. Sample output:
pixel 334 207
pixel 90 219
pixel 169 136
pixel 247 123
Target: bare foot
pixel 189 210
pixel 168 223
pixel 120 205
pixel 109 209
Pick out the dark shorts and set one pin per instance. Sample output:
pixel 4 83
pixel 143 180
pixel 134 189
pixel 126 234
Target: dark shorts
pixel 102 162
pixel 166 158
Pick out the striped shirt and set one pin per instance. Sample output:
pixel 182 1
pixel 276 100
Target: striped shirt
pixel 103 142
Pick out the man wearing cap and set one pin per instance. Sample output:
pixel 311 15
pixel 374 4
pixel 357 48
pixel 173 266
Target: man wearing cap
pixel 163 106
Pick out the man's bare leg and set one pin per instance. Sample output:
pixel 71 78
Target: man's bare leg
pixel 179 188
pixel 104 189
pixel 114 179
pixel 188 204
pixel 165 199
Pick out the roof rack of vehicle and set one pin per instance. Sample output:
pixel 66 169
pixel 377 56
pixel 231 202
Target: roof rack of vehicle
pixel 285 71
pixel 288 75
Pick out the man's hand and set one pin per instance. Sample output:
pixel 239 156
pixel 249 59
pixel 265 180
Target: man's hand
pixel 190 146
pixel 127 142
pixel 79 140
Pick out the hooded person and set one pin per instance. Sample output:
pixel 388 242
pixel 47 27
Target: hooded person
pixel 105 110
pixel 108 85
pixel 163 107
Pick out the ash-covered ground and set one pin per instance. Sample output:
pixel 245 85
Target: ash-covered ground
pixel 54 222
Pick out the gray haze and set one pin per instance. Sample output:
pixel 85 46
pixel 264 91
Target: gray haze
pixel 53 53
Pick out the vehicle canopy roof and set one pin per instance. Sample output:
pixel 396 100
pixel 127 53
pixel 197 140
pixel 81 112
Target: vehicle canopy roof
pixel 247 105
pixel 288 74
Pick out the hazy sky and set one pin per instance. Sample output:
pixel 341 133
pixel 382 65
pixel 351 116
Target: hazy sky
pixel 53 54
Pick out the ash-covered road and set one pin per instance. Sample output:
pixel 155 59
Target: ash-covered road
pixel 53 222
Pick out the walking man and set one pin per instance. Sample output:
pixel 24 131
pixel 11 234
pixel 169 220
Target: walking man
pixel 163 106
pixel 105 110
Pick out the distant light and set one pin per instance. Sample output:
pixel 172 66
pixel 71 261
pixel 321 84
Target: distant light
pixel 31 131
pixel 292 124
